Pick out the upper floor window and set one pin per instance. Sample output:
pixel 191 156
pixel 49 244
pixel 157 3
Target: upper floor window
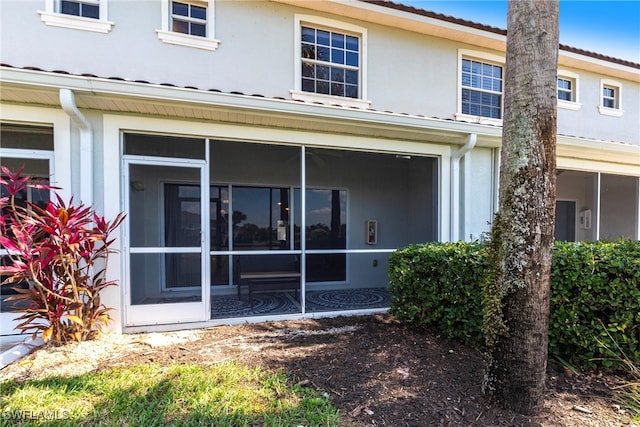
pixel 86 8
pixel 189 19
pixel 610 98
pixel 481 88
pixel 330 62
pixel 87 15
pixel 568 90
pixel 188 23
pixel 565 89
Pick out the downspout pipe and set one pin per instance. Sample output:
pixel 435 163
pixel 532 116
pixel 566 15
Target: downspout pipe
pixel 68 103
pixel 455 186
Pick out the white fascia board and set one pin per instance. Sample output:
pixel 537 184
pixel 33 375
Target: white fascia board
pixel 147 91
pixel 604 156
pixel 599 66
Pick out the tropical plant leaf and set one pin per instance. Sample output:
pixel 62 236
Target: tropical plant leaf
pixel 75 319
pixel 54 248
pixel 46 335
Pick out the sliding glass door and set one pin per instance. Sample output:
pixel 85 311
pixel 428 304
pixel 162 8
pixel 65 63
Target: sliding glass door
pixel 255 238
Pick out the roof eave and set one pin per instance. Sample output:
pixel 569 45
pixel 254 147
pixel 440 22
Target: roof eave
pixel 379 13
pixel 136 97
pixel 475 34
pixel 594 154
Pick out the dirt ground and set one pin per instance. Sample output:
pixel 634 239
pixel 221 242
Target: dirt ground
pixel 375 370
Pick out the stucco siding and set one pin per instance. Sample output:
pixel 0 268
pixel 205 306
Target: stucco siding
pixel 588 122
pixel 407 72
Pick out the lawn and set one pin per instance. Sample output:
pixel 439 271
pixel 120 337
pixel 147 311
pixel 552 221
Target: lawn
pixel 345 371
pixel 227 394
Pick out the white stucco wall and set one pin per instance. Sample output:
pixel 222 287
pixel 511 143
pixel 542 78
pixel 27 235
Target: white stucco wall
pixel 407 72
pixel 588 122
pixel 481 196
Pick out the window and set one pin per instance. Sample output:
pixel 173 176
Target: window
pixel 480 80
pixel 565 90
pixel 260 218
pixel 330 62
pixel 610 98
pixel 188 23
pixel 189 19
pixel 326 233
pixel 568 90
pixel 87 8
pixel 87 15
pixel 481 89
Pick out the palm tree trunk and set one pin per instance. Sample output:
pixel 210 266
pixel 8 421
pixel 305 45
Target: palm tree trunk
pixel 522 232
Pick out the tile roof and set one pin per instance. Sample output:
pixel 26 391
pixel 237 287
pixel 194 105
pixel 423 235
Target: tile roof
pixel 471 24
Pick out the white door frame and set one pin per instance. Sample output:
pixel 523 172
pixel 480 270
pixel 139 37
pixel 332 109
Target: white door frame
pixel 176 312
pixel 8 320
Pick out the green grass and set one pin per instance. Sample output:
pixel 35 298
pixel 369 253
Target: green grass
pixel 228 394
pixel 629 393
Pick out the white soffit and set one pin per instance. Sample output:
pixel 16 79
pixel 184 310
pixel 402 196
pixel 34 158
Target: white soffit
pixel 621 158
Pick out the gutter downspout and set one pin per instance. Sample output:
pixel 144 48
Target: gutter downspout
pixel 68 103
pixel 455 186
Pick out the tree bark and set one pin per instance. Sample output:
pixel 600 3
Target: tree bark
pixel 517 294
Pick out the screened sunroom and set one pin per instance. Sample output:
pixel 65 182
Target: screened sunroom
pixel 239 229
pixel 597 206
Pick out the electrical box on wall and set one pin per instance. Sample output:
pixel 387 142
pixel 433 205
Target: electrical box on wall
pixel 585 219
pixel 372 232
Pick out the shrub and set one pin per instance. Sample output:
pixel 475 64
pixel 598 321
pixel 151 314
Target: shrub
pixel 60 251
pixel 439 285
pixel 595 301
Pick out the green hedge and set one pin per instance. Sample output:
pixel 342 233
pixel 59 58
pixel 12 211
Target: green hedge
pixel 593 284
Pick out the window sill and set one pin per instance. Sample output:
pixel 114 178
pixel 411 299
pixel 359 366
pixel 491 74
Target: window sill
pixel 180 39
pixel 76 22
pixel 478 119
pixel 329 99
pixel 615 112
pixel 569 105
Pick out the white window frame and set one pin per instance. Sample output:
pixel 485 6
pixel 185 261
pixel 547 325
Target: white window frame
pixel 607 111
pixel 315 21
pixel 51 16
pixel 480 56
pixel 166 35
pixel 574 78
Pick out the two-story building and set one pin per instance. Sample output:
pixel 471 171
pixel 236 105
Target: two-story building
pixel 270 155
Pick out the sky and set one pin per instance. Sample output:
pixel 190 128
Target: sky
pixel 609 27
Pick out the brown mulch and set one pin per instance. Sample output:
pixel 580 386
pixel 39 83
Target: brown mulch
pixel 375 370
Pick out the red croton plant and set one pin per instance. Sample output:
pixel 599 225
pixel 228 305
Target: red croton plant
pixel 57 262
